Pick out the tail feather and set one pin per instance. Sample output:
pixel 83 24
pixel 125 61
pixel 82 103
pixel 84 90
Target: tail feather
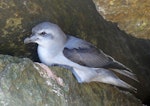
pixel 126 73
pixel 101 75
pixel 121 69
pixel 109 77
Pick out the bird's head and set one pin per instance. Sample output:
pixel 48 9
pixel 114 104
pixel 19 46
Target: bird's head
pixel 46 33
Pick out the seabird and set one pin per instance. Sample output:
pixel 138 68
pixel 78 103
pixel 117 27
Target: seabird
pixel 87 62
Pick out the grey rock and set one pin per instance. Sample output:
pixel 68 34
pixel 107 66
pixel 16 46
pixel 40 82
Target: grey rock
pixel 23 83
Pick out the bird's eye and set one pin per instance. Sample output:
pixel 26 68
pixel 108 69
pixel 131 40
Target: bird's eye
pixel 42 33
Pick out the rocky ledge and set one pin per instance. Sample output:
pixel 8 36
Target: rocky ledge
pixel 24 83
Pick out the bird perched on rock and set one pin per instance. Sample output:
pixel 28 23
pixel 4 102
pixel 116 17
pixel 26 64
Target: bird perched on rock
pixel 87 62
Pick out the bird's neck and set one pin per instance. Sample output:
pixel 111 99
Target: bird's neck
pixel 49 51
pixel 47 54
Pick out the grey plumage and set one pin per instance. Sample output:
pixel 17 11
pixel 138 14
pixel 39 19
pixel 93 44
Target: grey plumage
pixel 84 53
pixel 88 62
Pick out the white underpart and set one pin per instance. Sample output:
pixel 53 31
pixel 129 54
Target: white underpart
pixel 83 74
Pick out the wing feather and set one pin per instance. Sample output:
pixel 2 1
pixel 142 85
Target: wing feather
pixel 84 53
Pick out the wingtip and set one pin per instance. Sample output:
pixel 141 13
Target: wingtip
pixel 127 74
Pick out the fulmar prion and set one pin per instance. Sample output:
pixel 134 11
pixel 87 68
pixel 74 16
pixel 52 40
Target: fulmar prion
pixel 88 63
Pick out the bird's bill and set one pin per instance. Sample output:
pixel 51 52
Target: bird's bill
pixel 31 39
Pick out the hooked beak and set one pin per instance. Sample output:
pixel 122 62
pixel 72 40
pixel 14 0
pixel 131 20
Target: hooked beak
pixel 31 39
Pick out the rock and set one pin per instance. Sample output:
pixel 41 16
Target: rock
pixel 131 15
pixel 79 18
pixel 24 83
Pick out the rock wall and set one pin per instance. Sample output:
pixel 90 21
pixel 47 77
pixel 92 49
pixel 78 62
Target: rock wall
pixel 79 18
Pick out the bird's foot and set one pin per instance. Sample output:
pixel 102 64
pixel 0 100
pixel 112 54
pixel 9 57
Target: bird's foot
pixel 50 73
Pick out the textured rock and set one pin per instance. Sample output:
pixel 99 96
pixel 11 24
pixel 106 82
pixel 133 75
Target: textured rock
pixel 22 85
pixel 75 17
pixel 131 15
pixel 25 84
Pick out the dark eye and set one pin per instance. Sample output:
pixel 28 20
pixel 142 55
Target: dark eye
pixel 42 33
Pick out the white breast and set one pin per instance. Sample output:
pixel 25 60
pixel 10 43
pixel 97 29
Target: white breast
pixel 50 56
pixel 45 56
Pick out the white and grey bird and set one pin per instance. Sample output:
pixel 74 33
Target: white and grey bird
pixel 88 63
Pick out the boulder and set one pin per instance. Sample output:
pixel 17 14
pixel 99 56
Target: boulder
pixel 24 83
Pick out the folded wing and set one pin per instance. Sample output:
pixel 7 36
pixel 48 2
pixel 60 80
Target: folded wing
pixel 85 54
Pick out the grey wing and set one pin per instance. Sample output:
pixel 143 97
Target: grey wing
pixel 84 53
pixel 86 57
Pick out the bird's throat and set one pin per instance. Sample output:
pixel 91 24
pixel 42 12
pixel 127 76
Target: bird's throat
pixel 46 54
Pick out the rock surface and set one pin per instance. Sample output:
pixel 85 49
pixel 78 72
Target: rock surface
pixel 131 15
pixel 25 84
pixel 79 18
